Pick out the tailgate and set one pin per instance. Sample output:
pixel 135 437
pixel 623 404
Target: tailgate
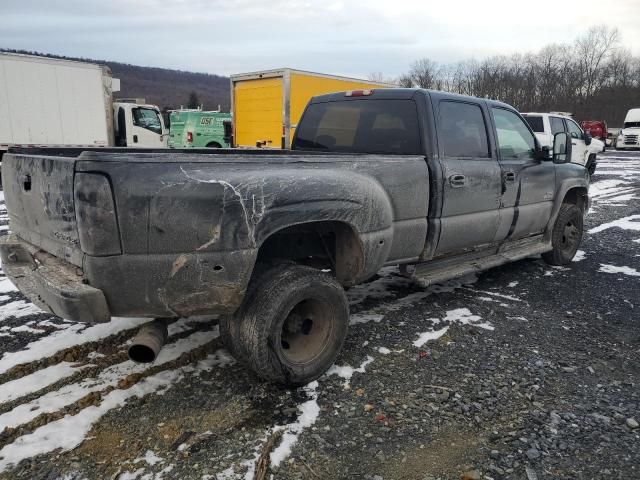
pixel 38 192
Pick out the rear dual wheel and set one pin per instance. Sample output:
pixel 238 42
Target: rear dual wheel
pixel 291 326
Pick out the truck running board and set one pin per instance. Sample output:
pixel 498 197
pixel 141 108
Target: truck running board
pixel 437 271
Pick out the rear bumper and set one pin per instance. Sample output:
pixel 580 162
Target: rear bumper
pixel 52 284
pixel 163 285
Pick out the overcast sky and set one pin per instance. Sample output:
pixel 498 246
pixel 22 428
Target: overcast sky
pixel 344 37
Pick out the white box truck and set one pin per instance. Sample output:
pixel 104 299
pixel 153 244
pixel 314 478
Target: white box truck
pixel 47 101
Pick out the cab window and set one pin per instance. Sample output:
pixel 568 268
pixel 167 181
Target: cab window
pixel 515 140
pixel 557 125
pixel 575 130
pixel 360 126
pixel 147 118
pixel 536 122
pixel 462 130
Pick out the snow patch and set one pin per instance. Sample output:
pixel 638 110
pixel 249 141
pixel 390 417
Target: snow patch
pixel 462 316
pixel 17 309
pixel 631 222
pixel 427 336
pixel 150 457
pixel 347 371
pixel 365 318
pixel 384 350
pixel 309 413
pixel 36 381
pixel 632 272
pixel 70 431
pixel 76 334
pixel 109 377
pixel 499 295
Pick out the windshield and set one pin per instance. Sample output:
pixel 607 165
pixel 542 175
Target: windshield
pixel 631 124
pixel 535 123
pixel 360 126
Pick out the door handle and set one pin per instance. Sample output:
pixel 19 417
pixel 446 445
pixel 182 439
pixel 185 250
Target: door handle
pixel 574 143
pixel 456 180
pixel 510 177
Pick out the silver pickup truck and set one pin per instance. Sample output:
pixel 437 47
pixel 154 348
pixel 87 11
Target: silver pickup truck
pixel 440 184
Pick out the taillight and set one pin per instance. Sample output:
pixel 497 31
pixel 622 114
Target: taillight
pixel 190 137
pixel 96 215
pixel 358 93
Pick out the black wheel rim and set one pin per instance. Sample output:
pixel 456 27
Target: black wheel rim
pixel 306 331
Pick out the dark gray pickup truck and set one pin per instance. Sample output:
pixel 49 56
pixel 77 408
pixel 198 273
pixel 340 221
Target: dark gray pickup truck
pixel 440 184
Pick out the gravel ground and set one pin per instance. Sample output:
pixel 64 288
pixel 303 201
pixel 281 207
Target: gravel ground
pixel 525 372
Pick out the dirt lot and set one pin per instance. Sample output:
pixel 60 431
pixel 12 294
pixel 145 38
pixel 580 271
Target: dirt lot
pixel 526 372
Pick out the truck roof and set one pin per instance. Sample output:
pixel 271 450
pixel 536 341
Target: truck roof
pixel 50 60
pixel 405 93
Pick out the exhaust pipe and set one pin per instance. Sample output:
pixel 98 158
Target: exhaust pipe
pixel 148 341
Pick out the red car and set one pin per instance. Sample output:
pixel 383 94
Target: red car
pixel 597 129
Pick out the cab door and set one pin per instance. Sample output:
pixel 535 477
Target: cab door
pixel 579 153
pixel 528 183
pixel 471 175
pixel 147 128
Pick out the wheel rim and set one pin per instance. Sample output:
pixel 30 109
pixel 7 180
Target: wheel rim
pixel 570 237
pixel 306 330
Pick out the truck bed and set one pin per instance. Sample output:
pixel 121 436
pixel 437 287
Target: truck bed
pixel 189 224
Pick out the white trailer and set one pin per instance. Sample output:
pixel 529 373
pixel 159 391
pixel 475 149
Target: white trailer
pixel 46 101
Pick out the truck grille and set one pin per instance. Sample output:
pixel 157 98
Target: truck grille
pixel 631 139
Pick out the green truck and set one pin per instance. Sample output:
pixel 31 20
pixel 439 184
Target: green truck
pixel 198 129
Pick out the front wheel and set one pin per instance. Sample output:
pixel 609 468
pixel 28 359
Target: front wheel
pixel 291 325
pixel 566 235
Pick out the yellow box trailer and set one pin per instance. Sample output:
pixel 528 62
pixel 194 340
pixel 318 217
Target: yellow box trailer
pixel 267 105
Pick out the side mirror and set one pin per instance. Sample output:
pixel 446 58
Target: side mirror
pixel 587 138
pixel 561 148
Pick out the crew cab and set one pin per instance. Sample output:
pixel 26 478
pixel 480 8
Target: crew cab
pixel 440 184
pixel 585 148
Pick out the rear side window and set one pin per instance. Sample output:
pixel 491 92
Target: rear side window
pixel 535 122
pixel 360 126
pixel 462 130
pixel 557 125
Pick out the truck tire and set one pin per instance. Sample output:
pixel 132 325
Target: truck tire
pixel 566 235
pixel 291 325
pixel 591 164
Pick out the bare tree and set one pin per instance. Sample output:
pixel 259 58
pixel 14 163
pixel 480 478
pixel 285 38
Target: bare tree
pixel 593 77
pixel 423 73
pixel 405 81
